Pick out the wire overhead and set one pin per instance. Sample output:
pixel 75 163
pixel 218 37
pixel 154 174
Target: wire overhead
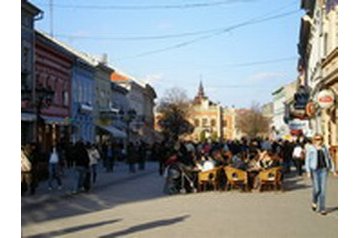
pixel 222 31
pixel 162 37
pixel 150 7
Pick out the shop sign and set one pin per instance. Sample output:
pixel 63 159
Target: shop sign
pixel 298 124
pixel 325 98
pixel 310 109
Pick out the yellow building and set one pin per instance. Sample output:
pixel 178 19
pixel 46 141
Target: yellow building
pixel 211 121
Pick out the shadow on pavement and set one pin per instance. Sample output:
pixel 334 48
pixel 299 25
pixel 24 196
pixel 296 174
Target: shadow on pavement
pixel 295 183
pixel 146 226
pixel 332 209
pixel 138 187
pixel 73 229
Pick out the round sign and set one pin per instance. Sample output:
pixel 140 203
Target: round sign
pixel 310 109
pixel 325 98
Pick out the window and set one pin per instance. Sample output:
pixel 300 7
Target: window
pixel 325 49
pixel 205 122
pixel 225 123
pixel 65 98
pixel 213 122
pixel 80 92
pixel 196 123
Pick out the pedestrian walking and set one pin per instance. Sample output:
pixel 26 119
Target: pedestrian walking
pixel 298 157
pixel 286 154
pixel 26 167
pixel 132 157
pixel 318 163
pixel 81 166
pixel 142 152
pixel 94 157
pixel 54 163
pixel 110 157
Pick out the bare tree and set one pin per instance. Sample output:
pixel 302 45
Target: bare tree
pixel 252 122
pixel 175 108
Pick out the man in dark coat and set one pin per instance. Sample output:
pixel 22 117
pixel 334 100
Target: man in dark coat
pixel 81 166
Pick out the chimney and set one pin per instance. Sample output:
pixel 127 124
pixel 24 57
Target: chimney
pixel 104 58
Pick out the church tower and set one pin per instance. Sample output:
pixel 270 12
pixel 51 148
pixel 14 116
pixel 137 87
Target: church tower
pixel 200 95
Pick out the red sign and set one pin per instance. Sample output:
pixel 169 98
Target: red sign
pixel 325 98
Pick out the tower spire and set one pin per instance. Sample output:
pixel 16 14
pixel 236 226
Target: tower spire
pixel 201 93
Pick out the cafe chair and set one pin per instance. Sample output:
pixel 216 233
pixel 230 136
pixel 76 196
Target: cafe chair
pixel 206 178
pixel 236 178
pixel 271 178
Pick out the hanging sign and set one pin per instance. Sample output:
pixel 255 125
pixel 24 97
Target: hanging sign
pixel 310 109
pixel 325 98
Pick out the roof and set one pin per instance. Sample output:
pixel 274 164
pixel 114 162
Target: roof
pixel 30 7
pixel 84 56
pixel 115 76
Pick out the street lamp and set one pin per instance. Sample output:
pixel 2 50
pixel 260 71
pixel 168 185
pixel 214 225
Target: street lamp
pixel 43 98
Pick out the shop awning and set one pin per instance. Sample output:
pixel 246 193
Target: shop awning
pixel 115 132
pixel 25 116
pixel 54 120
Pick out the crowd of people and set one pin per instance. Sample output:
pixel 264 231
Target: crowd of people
pixel 84 159
pixel 250 155
pixel 308 155
pixel 244 154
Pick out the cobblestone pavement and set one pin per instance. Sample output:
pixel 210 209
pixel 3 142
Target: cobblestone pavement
pixel 133 205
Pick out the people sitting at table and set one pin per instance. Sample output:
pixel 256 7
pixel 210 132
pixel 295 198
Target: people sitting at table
pixel 205 164
pixel 218 158
pixel 237 162
pixel 267 160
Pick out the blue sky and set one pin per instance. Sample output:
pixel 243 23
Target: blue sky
pixel 217 60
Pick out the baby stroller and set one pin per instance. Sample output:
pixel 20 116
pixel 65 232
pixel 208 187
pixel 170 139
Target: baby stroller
pixel 178 178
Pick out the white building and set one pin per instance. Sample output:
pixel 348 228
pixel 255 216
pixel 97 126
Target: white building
pixel 281 97
pixel 141 99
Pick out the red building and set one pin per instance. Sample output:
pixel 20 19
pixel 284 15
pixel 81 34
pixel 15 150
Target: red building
pixel 53 69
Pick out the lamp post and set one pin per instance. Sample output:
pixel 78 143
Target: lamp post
pixel 42 99
pixel 128 117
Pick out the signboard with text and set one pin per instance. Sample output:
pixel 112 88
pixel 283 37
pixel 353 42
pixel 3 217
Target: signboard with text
pixel 325 98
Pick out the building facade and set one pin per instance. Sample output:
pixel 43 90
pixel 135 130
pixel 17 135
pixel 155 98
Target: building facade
pixel 141 99
pixel 83 99
pixel 29 14
pixel 281 100
pixel 53 67
pixel 210 120
pixel 104 113
pixel 120 104
pixel 318 67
